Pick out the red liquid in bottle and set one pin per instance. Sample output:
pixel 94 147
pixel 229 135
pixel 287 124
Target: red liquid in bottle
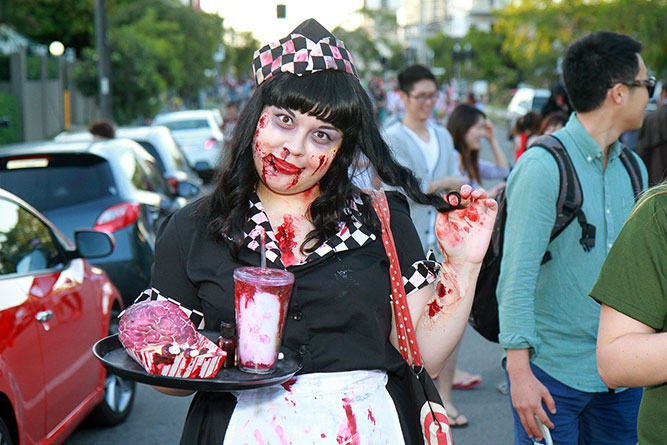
pixel 227 342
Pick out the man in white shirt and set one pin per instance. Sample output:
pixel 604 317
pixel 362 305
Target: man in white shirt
pixel 424 147
pixel 428 150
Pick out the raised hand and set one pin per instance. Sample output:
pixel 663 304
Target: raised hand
pixel 489 130
pixel 464 233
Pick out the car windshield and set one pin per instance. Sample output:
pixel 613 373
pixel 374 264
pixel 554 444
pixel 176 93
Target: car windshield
pixel 189 124
pixel 150 148
pixel 62 180
pixel 539 101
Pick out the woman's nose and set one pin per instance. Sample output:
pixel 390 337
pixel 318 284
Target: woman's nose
pixel 295 145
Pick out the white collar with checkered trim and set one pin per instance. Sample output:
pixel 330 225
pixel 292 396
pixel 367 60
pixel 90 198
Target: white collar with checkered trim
pixel 349 236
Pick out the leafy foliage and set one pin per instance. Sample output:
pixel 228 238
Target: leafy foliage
pixel 68 21
pixel 238 57
pixel 358 41
pixel 538 31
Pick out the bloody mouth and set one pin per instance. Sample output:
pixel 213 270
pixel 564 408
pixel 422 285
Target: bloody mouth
pixel 282 166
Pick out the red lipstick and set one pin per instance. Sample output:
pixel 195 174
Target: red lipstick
pixel 283 166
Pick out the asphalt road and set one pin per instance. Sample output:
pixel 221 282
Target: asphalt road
pixel 157 418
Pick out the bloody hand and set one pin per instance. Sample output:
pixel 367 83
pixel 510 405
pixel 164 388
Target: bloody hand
pixel 464 233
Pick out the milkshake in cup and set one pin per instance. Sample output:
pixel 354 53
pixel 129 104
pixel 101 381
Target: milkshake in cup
pixel 261 299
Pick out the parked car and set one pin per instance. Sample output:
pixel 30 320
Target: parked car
pixel 199 132
pixel 524 100
pixel 54 305
pixel 109 185
pixel 159 142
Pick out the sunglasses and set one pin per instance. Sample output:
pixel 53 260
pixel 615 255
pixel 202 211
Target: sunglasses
pixel 648 83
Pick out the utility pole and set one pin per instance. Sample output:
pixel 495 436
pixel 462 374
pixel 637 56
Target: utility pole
pixel 103 60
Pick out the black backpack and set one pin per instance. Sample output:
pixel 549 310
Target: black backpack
pixel 484 313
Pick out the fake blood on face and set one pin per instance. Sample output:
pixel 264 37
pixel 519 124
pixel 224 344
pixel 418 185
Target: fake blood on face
pixel 322 161
pixel 263 120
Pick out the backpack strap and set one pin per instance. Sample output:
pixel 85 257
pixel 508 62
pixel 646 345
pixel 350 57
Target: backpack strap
pixel 632 166
pixel 570 197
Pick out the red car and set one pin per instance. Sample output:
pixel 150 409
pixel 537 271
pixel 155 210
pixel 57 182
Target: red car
pixel 54 306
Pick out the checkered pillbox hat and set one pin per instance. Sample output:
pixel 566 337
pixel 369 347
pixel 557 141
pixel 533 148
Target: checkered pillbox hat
pixel 308 49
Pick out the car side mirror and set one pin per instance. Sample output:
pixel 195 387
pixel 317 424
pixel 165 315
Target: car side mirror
pixel 203 170
pixel 93 244
pixel 187 189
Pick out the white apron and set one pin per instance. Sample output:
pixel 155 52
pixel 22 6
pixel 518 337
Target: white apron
pixel 350 408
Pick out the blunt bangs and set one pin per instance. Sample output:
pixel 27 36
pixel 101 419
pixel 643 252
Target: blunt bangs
pixel 330 96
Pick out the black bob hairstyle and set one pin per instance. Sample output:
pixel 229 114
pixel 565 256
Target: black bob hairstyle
pixel 338 99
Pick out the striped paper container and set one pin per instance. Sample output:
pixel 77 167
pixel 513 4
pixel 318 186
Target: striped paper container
pixel 202 367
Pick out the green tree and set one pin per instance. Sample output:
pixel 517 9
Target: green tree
pixel 68 21
pixel 443 52
pixel 188 39
pixel 239 49
pixel 362 47
pixel 538 31
pixel 156 47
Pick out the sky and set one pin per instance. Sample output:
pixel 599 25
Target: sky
pixel 259 16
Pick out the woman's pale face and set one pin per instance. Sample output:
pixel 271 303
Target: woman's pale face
pixel 474 135
pixel 292 150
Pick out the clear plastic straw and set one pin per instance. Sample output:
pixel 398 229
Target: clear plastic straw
pixel 263 249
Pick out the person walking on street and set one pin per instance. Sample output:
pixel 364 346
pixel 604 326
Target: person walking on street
pixel 548 324
pixel 468 126
pixel 102 129
pixel 652 141
pixel 632 350
pixel 287 178
pixel 428 150
pixel 423 147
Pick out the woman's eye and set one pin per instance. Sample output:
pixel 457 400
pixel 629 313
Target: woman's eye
pixel 285 119
pixel 322 136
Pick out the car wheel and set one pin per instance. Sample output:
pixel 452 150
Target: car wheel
pixel 5 435
pixel 118 393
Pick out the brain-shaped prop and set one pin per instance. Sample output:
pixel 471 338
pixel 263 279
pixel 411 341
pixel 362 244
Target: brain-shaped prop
pixel 156 323
pixel 160 337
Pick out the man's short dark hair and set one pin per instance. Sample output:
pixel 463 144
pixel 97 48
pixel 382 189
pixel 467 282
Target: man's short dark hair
pixel 102 128
pixel 413 74
pixel 595 62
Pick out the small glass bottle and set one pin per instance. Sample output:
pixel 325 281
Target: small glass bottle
pixel 227 342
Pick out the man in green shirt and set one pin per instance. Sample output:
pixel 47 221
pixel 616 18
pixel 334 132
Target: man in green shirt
pixel 632 287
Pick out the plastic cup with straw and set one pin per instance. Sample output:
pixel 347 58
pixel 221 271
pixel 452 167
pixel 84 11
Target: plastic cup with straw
pixel 261 300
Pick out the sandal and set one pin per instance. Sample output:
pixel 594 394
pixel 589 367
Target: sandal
pixel 468 381
pixel 457 420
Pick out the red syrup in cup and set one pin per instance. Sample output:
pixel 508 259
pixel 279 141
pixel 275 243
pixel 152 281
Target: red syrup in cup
pixel 261 299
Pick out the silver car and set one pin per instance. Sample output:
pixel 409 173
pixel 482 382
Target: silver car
pixel 199 134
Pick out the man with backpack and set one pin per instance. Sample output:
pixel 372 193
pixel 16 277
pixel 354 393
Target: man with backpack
pixel 548 324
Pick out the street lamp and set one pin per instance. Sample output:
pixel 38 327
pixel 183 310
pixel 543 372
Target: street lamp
pixel 57 49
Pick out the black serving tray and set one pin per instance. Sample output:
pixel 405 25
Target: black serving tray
pixel 111 353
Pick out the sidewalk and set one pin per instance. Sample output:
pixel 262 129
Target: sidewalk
pixel 488 411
